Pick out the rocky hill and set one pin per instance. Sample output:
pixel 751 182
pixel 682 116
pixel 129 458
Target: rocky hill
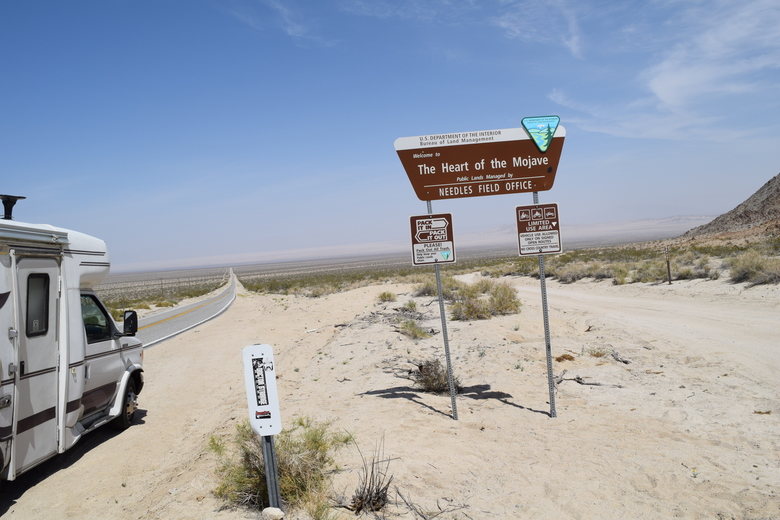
pixel 759 215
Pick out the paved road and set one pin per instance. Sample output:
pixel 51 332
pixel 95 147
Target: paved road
pixel 157 328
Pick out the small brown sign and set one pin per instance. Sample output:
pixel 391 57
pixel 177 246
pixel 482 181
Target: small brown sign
pixel 475 164
pixel 432 239
pixel 538 230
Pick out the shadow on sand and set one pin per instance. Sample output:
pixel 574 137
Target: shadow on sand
pixel 11 491
pixel 477 392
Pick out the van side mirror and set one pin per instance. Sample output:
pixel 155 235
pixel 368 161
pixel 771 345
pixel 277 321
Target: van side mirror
pixel 131 323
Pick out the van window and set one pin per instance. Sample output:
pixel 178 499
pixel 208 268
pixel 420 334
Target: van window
pixel 96 323
pixel 37 304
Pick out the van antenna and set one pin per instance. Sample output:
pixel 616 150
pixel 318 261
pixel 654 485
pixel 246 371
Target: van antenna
pixel 8 205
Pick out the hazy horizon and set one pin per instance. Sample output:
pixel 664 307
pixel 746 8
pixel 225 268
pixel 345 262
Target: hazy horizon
pixel 573 237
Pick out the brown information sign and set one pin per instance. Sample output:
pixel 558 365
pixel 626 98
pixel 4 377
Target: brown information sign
pixel 432 239
pixel 538 231
pixel 475 164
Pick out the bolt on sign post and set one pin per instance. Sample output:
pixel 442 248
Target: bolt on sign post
pixel 486 162
pixel 264 416
pixel 433 242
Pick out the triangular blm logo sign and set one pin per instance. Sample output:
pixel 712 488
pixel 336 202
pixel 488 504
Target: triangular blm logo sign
pixel 541 130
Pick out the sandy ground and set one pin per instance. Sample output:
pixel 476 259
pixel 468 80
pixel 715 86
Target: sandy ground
pixel 676 433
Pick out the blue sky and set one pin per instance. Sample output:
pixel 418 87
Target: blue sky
pixel 206 131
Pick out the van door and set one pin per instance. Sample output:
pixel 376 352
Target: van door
pixel 103 362
pixel 38 281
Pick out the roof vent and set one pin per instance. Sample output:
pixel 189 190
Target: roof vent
pixel 8 205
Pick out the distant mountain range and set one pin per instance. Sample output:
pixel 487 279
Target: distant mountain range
pixel 758 216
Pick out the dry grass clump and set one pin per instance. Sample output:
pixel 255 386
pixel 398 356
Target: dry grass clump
pixel 598 352
pixel 431 376
pixel 564 357
pixel 755 268
pixel 410 306
pixel 304 458
pixel 412 329
pixel 386 296
pixel 375 480
pixel 449 287
pixel 575 271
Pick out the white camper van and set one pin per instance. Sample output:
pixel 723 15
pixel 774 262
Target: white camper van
pixel 65 368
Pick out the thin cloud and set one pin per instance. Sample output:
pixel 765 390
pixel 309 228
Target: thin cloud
pixel 542 22
pixel 440 10
pixel 292 21
pixel 291 24
pixel 729 50
pixel 635 121
pixel 724 55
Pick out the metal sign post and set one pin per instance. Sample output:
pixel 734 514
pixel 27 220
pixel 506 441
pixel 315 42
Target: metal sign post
pixel 450 379
pixel 547 345
pixel 271 471
pixel 264 416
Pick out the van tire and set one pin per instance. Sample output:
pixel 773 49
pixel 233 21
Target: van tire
pixel 129 406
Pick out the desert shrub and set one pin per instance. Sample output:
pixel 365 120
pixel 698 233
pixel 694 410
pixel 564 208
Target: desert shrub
pixel 386 296
pixel 572 272
pixel 412 329
pixel 564 357
pixel 601 271
pixel 481 286
pixel 685 273
pixel 481 300
pixel 450 288
pixel 503 299
pixel 620 274
pixel 304 459
pixel 410 306
pixel 427 288
pixel 431 376
pixel 650 271
pixel 755 268
pixel 470 309
pixel 318 291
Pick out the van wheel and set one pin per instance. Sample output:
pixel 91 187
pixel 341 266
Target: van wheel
pixel 129 406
